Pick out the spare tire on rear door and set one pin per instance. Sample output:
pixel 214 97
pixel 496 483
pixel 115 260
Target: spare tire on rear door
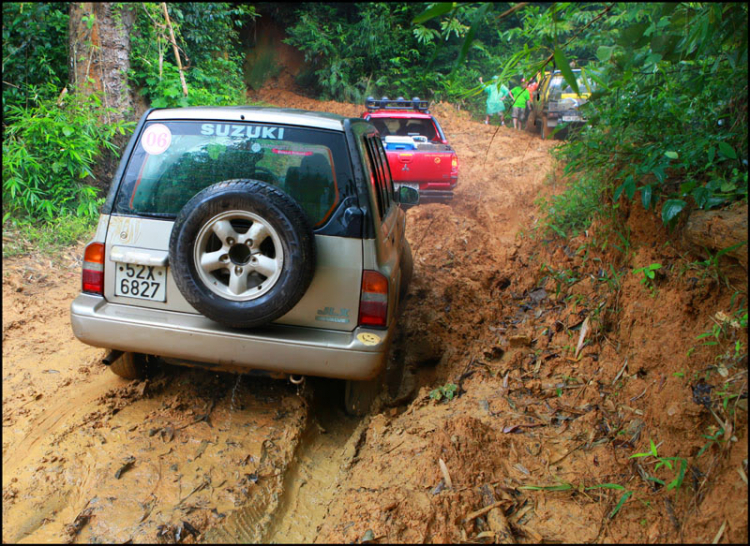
pixel 242 252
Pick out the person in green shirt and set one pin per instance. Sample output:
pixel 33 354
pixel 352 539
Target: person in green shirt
pixel 522 96
pixel 495 95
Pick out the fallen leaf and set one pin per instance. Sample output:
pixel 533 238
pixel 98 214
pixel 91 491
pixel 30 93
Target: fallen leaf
pixel 201 449
pixel 446 475
pixel 190 529
pixel 582 336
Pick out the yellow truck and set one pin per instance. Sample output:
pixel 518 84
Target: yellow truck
pixel 554 102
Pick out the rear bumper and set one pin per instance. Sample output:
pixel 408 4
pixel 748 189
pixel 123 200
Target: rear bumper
pixel 275 348
pixel 557 119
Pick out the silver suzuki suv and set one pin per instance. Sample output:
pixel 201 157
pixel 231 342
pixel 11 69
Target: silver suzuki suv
pixel 249 238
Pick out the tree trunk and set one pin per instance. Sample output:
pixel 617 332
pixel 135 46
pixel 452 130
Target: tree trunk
pixel 717 230
pixel 100 52
pixel 99 45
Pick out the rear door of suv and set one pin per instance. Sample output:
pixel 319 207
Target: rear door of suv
pixel 173 160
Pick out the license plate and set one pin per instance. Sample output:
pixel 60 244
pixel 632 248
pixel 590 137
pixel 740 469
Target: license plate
pixel 407 184
pixel 571 118
pixel 146 282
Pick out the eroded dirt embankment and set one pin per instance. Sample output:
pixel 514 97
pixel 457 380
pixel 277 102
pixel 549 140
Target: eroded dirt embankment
pixel 192 455
pixel 567 365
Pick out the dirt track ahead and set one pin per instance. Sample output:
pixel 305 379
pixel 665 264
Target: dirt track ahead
pixel 189 454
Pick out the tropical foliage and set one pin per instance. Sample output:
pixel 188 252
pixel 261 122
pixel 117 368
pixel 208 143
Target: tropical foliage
pixel 52 136
pixel 357 50
pixel 668 125
pixel 667 121
pixel 210 49
pixel 48 153
pixel 35 51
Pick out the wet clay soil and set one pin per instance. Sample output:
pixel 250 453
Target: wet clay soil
pixel 535 447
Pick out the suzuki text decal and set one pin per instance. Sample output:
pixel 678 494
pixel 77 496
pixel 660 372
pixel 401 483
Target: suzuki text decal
pixel 249 131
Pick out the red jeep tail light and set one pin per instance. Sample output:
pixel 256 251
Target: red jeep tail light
pixel 373 304
pixel 454 168
pixel 93 269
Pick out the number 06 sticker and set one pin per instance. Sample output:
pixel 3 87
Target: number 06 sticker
pixel 156 139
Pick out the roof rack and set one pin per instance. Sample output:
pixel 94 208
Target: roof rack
pixel 372 104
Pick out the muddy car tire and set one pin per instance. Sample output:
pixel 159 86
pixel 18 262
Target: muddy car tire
pixel 531 122
pixel 360 395
pixel 130 366
pixel 242 252
pixel 407 270
pixel 546 131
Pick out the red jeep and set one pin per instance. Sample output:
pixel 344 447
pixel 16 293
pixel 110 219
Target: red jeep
pixel 418 153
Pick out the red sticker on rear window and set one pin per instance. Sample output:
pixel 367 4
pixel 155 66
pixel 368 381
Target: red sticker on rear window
pixel 290 152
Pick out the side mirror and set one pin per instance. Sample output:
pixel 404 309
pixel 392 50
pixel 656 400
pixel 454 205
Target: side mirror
pixel 408 196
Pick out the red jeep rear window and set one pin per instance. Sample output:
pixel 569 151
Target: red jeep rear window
pixel 405 127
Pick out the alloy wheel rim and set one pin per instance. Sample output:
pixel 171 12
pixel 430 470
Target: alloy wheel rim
pixel 238 255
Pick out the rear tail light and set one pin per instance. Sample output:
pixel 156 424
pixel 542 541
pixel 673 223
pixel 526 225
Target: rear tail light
pixel 93 269
pixel 373 305
pixel 454 168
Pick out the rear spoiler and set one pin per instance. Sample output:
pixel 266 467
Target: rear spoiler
pixel 373 104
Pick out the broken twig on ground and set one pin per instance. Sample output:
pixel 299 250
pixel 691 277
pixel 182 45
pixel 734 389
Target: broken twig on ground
pixel 622 370
pixel 483 511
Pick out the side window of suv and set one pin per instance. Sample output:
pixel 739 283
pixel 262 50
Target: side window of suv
pixel 382 183
pixel 387 179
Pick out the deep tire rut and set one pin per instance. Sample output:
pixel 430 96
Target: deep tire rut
pixel 290 506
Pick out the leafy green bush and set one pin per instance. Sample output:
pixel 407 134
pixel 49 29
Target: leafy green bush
pixel 572 211
pixel 210 54
pixel 35 50
pixel 48 154
pixel 216 85
pixel 357 50
pixel 669 120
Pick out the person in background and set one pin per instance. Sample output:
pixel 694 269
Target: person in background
pixel 532 87
pixel 495 95
pixel 521 97
pixel 534 83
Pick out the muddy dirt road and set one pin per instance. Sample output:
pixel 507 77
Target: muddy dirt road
pixel 534 447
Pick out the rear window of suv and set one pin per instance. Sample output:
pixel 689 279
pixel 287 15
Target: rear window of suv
pixel 174 160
